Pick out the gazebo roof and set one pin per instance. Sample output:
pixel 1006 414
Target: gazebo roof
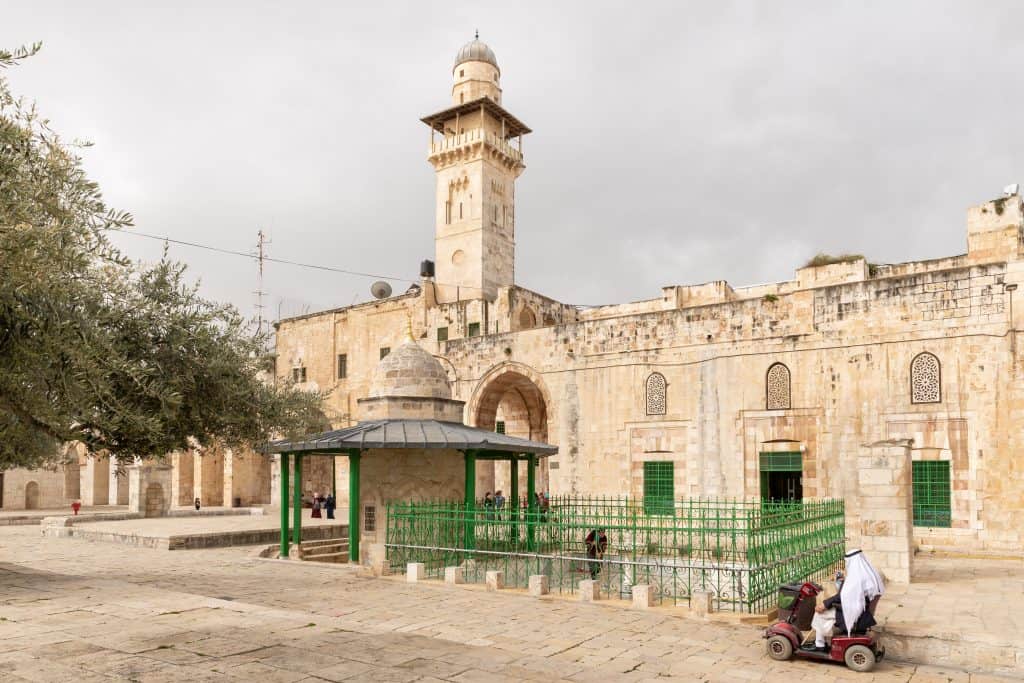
pixel 421 434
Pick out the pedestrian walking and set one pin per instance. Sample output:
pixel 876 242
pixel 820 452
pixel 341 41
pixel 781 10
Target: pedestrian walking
pixel 329 505
pixel 597 543
pixel 316 506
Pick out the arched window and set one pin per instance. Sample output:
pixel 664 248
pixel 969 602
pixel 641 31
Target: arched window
pixel 925 379
pixel 656 389
pixel 777 387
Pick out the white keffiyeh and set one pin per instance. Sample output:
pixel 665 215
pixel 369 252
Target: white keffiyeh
pixel 862 584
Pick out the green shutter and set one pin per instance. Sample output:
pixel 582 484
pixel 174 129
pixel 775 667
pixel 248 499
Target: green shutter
pixel 442 334
pixel 931 493
pixel 474 330
pixel 659 488
pixel 782 462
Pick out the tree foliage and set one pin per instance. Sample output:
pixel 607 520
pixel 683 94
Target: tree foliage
pixel 94 348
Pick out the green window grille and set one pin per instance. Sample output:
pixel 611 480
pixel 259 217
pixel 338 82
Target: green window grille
pixel 659 488
pixel 342 366
pixel 442 334
pixel 384 351
pixel 931 493
pixel 499 426
pixel 474 330
pixel 781 462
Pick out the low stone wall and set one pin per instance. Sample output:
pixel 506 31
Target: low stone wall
pixel 62 527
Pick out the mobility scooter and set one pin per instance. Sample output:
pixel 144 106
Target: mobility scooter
pixel 860 651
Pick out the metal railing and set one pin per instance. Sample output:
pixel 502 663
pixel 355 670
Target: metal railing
pixel 739 550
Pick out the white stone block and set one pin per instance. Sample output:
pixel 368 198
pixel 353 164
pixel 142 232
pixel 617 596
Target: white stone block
pixel 590 590
pixel 453 575
pixel 539 585
pixel 701 602
pixel 495 580
pixel 415 571
pixel 643 596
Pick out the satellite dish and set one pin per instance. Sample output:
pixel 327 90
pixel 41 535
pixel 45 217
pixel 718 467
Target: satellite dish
pixel 380 290
pixel 1011 190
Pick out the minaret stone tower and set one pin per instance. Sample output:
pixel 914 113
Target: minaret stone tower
pixel 477 157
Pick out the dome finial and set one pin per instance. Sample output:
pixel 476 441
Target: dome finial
pixel 477 36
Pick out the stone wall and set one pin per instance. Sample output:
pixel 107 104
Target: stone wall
pixel 403 475
pixel 846 333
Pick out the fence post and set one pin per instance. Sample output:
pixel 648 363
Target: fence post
pixel 513 467
pixel 531 502
pixel 470 512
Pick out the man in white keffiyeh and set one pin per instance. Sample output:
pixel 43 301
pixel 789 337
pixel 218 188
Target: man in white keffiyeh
pixel 850 606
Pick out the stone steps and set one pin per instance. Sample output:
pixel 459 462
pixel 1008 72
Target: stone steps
pixel 326 550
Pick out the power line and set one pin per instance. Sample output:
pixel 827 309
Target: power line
pixel 299 264
pixel 250 255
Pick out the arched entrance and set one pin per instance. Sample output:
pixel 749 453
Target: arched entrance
pixel 154 500
pixel 32 496
pixel 511 398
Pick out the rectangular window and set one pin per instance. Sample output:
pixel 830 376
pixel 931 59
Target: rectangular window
pixel 299 375
pixel 474 330
pixel 384 351
pixel 342 366
pixel 931 493
pixel 370 518
pixel 442 334
pixel 659 488
pixel 499 426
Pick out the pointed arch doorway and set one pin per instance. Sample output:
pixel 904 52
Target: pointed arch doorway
pixel 512 399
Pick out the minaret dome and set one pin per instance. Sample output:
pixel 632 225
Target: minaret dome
pixel 476 73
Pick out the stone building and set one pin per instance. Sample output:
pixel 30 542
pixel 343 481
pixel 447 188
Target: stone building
pixel 706 389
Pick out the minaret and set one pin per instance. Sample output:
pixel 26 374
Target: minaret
pixel 476 151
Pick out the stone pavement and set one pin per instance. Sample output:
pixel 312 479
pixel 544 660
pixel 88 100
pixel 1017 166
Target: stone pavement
pixel 83 611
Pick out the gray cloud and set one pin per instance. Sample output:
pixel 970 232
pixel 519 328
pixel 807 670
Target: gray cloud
pixel 675 142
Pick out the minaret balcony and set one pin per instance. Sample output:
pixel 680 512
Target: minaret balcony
pixel 456 146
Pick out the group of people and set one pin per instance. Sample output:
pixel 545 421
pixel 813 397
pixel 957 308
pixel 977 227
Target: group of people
pixel 493 505
pixel 326 503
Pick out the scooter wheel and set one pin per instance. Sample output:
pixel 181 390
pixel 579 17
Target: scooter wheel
pixel 860 658
pixel 780 648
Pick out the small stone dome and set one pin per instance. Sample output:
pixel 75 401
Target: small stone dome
pixel 476 51
pixel 410 371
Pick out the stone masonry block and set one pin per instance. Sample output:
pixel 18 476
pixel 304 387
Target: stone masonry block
pixel 495 580
pixel 539 585
pixel 643 596
pixel 701 602
pixel 415 571
pixel 453 575
pixel 590 590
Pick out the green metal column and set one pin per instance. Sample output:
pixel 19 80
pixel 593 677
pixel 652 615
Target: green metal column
pixel 470 531
pixel 513 513
pixel 334 478
pixel 353 506
pixel 531 501
pixel 297 502
pixel 285 457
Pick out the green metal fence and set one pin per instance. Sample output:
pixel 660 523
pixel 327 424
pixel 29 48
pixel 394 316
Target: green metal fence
pixel 739 550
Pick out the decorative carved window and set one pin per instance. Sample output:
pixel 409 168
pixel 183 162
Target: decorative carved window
pixel 777 387
pixel 656 389
pixel 925 379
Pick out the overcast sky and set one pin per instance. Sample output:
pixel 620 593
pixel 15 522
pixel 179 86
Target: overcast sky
pixel 674 142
